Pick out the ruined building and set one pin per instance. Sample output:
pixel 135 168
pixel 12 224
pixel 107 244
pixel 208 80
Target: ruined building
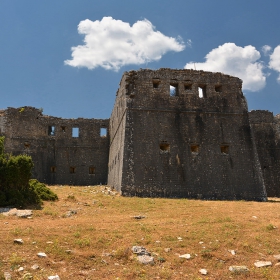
pixel 172 133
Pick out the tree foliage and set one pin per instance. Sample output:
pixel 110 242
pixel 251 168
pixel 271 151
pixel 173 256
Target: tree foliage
pixel 16 187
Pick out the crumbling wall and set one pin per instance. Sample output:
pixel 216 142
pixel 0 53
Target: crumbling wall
pixel 267 138
pixel 64 151
pixel 193 141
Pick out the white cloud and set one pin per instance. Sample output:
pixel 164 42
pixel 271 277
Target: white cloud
pixel 111 44
pixel 274 62
pixel 266 49
pixel 236 61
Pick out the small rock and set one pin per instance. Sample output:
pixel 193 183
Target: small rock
pixel 140 250
pixel 138 217
pixel 18 241
pixel 35 267
pixel 277 264
pixel 68 251
pixel 277 257
pixel 20 269
pixel 201 242
pixel 238 268
pixel 70 213
pixel 41 255
pixel 255 217
pixel 203 271
pixel 55 277
pixel 49 242
pixel 185 256
pixel 24 213
pixel 180 238
pixel 144 259
pixel 7 276
pixel 262 263
pixel 232 252
pixel 157 241
pixel 167 250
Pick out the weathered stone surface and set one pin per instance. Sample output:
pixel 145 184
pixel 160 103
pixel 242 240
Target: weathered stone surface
pixel 263 263
pixel 238 269
pixel 185 256
pixel 277 257
pixel 140 250
pixel 203 271
pixel 55 277
pixel 144 259
pixel 18 241
pixel 41 255
pixel 18 213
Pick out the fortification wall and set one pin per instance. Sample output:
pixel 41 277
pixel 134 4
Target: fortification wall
pixel 185 144
pixel 64 151
pixel 267 139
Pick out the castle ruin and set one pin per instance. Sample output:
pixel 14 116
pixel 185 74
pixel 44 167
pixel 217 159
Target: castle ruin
pixel 172 133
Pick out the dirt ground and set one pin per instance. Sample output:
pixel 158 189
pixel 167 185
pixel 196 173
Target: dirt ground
pixel 89 233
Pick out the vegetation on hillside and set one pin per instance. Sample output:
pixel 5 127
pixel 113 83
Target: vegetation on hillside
pixel 16 187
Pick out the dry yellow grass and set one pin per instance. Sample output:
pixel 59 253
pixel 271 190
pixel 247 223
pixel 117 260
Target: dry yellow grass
pixel 101 234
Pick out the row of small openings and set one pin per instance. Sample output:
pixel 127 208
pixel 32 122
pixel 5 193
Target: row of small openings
pixel 174 89
pixel 165 148
pixel 75 131
pixel 72 170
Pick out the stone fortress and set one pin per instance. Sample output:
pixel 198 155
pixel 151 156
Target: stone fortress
pixel 172 133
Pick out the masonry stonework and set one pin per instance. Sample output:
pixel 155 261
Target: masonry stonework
pixel 172 133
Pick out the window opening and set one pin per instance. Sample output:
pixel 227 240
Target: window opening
pixel 188 87
pixel 164 147
pixel 156 83
pixel 202 91
pixel 225 149
pixel 72 169
pixel 26 145
pixel 173 90
pixel 194 148
pixel 103 131
pixel 63 128
pixel 53 169
pixel 91 170
pixel 75 132
pixel 51 130
pixel 218 88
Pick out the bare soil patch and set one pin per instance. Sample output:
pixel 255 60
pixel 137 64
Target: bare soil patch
pixel 89 232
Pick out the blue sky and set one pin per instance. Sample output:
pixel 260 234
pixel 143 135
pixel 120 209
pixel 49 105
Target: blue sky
pixel 68 57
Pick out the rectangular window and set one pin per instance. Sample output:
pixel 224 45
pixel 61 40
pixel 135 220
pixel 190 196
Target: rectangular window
pixel 63 128
pixel 103 131
pixel 53 169
pixel 173 89
pixel 72 169
pixel 195 149
pixel 156 83
pixel 188 87
pixel 218 88
pixel 26 145
pixel 91 170
pixel 75 132
pixel 202 91
pixel 51 130
pixel 224 149
pixel 164 147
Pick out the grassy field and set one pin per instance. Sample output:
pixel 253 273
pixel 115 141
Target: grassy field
pixel 96 242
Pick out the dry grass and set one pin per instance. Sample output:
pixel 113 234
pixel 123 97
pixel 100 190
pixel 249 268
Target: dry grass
pixel 101 234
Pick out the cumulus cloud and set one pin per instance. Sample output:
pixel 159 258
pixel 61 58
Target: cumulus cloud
pixel 274 62
pixel 266 49
pixel 236 61
pixel 111 44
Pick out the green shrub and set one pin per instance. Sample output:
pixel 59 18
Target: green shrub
pixel 16 187
pixel 42 190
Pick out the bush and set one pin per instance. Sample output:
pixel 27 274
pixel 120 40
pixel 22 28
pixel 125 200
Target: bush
pixel 42 190
pixel 16 187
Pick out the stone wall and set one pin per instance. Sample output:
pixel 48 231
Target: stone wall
pixel 267 138
pixel 64 151
pixel 184 143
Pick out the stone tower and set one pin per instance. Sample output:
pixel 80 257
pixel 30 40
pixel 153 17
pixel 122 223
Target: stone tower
pixel 183 133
